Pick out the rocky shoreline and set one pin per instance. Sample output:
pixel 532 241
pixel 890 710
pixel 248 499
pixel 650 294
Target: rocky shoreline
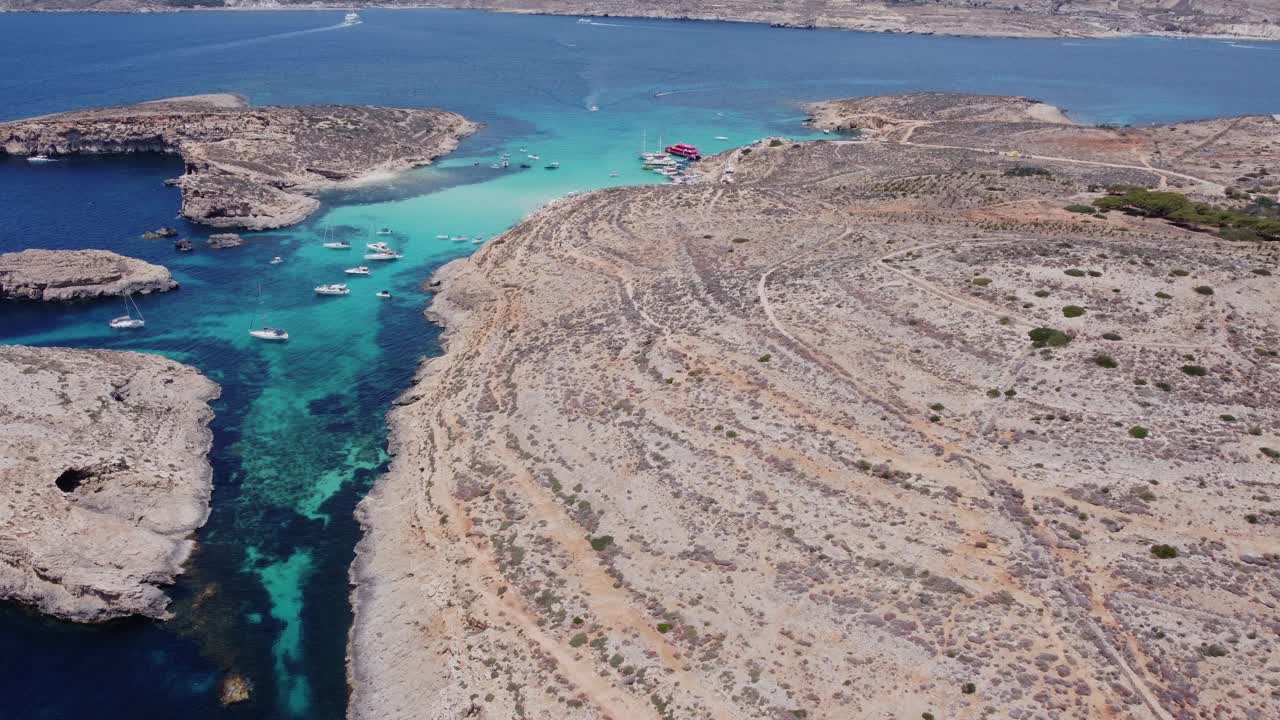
pixel 104 479
pixel 688 445
pixel 252 168
pixel 59 275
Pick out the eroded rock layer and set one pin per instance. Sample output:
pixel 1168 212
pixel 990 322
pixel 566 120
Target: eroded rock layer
pixel 78 274
pixel 103 478
pixel 789 447
pixel 249 167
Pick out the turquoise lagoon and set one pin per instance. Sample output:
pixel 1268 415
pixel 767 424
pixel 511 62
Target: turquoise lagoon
pixel 300 434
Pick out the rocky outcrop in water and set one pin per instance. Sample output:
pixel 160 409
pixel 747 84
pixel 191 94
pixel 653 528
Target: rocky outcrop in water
pixel 103 478
pixel 249 167
pixel 219 241
pixel 77 274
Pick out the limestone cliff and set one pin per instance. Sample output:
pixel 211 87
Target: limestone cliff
pixel 103 478
pixel 249 167
pixel 77 274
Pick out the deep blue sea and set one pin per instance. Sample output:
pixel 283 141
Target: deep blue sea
pixel 299 433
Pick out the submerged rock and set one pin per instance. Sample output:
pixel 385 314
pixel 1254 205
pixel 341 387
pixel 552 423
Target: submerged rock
pixel 162 232
pixel 77 274
pixel 225 240
pixel 248 167
pixel 103 478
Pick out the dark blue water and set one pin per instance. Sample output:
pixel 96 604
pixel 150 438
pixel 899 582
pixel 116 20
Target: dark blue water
pixel 299 435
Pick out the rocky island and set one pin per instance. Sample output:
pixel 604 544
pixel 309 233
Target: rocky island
pixel 248 167
pixel 77 274
pixel 1007 18
pixel 103 478
pixel 977 411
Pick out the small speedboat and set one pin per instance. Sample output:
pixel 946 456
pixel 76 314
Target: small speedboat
pixel 535 157
pixel 721 137
pixel 269 333
pixel 552 166
pixel 335 289
pixel 615 173
pixel 383 231
pixel 361 270
pixel 383 294
pixel 442 237
pixel 383 256
pixel 477 240
pixel 584 21
pixel 594 108
pixel 379 247
pixel 40 159
pixel 351 19
pixel 277 260
pixel 525 165
pixel 459 238
pixel 338 245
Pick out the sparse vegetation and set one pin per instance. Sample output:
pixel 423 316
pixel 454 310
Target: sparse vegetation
pixel 1164 552
pixel 1139 432
pixel 981 281
pixel 1104 360
pixel 1072 311
pixel 1204 290
pixel 600 543
pixel 1195 370
pixel 1074 272
pixel 1082 209
pixel 1048 337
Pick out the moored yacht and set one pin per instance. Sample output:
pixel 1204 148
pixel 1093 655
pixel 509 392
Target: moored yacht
pixel 383 231
pixel 383 294
pixel 128 321
pixel 277 260
pixel 379 246
pixel 361 270
pixel 40 159
pixel 383 256
pixel 338 245
pixel 270 333
pixel 334 289
pixel 552 166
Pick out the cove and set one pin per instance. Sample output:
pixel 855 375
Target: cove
pixel 300 436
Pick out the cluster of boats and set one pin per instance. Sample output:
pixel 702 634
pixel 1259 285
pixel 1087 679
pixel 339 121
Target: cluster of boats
pixel 674 162
pixel 505 162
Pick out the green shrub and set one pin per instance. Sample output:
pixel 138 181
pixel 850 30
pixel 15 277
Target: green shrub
pixel 1227 418
pixel 981 281
pixel 664 628
pixel 1041 293
pixel 601 542
pixel 1139 432
pixel 1048 337
pixel 1110 336
pixel 1164 552
pixel 968 688
pixel 1027 171
pixel 1178 273
pixel 1195 370
pixel 1164 295
pixel 1204 289
pixel 1082 209
pixel 1074 272
pixel 775 143
pixel 578 640
pixel 764 358
pixel 937 407
pixel 1270 452
pixel 1104 360
pixel 1072 311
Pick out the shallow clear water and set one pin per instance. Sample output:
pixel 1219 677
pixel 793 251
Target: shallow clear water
pixel 300 434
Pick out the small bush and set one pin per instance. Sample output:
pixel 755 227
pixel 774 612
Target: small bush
pixel 1214 650
pixel 775 143
pixel 1041 293
pixel 1139 432
pixel 1164 552
pixel 1110 336
pixel 1074 272
pixel 1164 295
pixel 937 407
pixel 600 543
pixel 968 688
pixel 578 640
pixel 1072 311
pixel 1204 289
pixel 1195 370
pixel 1027 171
pixel 1227 418
pixel 664 628
pixel 1082 209
pixel 764 358
pixel 1270 452
pixel 1010 393
pixel 1048 337
pixel 1164 386
pixel 740 240
pixel 1104 360
pixel 1178 273
pixel 981 281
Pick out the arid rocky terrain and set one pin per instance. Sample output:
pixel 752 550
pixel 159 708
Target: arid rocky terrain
pixel 78 274
pixel 103 478
pixel 249 167
pixel 1017 18
pixel 878 430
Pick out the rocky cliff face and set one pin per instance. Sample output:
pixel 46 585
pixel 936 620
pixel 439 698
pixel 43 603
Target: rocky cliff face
pixel 77 274
pixel 103 478
pixel 246 167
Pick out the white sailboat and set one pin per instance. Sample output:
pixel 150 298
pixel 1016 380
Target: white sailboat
pixel 269 334
pixel 128 321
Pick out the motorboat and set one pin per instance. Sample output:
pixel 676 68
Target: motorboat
pixel 334 289
pixel 383 294
pixel 459 238
pixel 552 166
pixel 721 137
pixel 277 260
pixel 594 108
pixel 351 19
pixel 383 231
pixel 525 165
pixel 442 237
pixel 338 245
pixel 361 270
pixel 379 247
pixel 270 333
pixel 615 173
pixel 128 321
pixel 477 240
pixel 40 159
pixel 535 157
pixel 383 256
pixel 584 21
pixel 688 152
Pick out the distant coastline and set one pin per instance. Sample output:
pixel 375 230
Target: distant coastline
pixel 951 21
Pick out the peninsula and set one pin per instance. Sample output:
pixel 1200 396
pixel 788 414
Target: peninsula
pixel 247 167
pixel 978 410
pixel 1005 18
pixel 103 478
pixel 77 274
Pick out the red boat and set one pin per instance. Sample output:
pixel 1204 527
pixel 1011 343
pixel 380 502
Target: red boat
pixel 687 152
